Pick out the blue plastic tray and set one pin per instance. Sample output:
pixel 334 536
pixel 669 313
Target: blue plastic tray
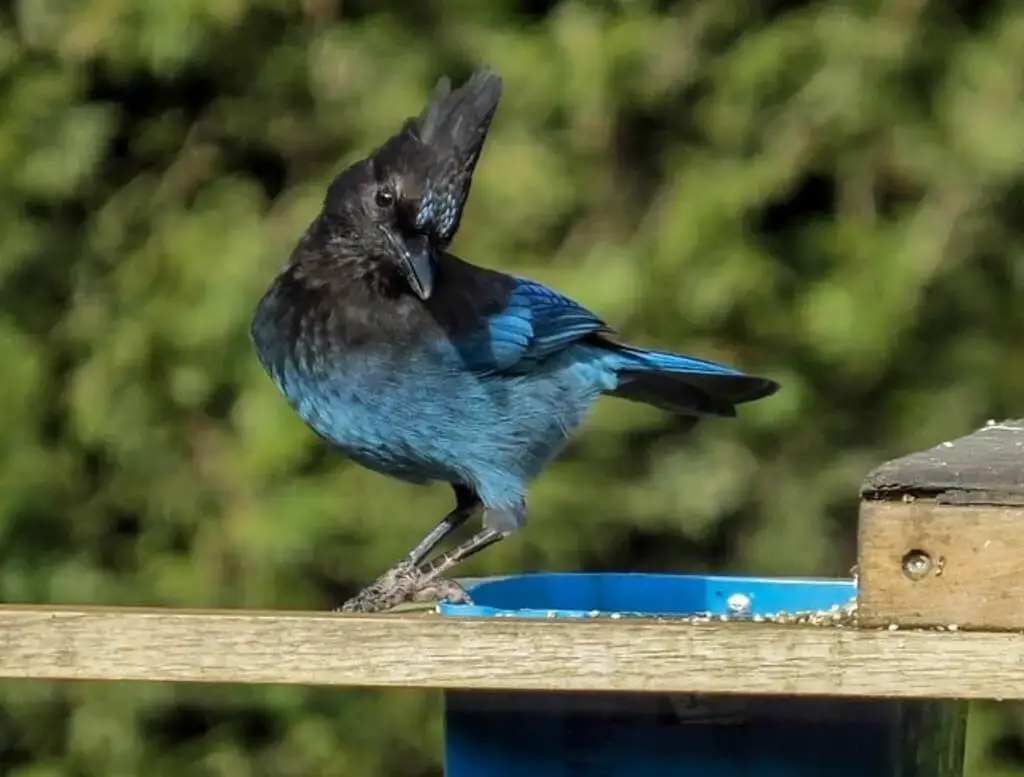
pixel 583 595
pixel 662 735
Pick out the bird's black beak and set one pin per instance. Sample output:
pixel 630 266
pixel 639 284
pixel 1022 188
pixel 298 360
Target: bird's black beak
pixel 415 261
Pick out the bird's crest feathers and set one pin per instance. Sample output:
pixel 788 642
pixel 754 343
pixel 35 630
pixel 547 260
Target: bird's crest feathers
pixel 435 154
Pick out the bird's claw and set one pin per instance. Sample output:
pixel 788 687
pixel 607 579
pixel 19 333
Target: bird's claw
pixel 405 583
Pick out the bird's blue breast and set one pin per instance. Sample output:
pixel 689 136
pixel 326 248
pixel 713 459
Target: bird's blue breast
pixel 422 415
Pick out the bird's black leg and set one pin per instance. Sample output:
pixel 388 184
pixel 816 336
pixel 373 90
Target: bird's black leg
pixel 466 503
pixel 392 587
pixel 425 582
pixel 436 567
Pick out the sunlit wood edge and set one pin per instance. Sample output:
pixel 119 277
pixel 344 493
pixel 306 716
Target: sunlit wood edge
pixel 428 651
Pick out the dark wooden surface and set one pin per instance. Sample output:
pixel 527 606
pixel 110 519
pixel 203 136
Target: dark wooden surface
pixel 983 468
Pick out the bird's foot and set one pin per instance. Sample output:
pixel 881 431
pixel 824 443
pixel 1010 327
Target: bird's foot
pixel 405 583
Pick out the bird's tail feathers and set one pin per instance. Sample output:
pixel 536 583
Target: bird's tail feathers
pixel 683 384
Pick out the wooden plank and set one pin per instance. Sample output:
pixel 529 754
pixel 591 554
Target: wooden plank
pixel 435 652
pixel 921 563
pixel 940 533
pixel 986 467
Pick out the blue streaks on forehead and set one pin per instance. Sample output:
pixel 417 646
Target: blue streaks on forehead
pixel 439 210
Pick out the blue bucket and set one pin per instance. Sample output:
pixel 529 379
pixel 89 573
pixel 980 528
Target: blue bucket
pixel 508 734
pixel 575 595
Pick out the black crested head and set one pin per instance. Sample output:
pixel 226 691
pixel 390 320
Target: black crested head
pixel 358 235
pixel 435 154
pixel 385 216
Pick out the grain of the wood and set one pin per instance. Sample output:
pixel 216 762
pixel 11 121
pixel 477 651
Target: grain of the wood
pixel 986 467
pixel 435 652
pixel 971 573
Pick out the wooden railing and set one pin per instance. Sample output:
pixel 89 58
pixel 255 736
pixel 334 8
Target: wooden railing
pixel 940 606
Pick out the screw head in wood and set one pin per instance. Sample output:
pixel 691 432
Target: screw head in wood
pixel 916 564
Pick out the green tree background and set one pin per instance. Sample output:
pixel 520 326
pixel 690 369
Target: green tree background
pixel 829 193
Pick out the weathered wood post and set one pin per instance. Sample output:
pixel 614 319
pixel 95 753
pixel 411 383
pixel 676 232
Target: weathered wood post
pixel 941 538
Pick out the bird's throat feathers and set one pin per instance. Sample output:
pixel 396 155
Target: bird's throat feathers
pixel 331 262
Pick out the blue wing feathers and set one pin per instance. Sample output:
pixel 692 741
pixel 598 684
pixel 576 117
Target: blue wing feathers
pixel 535 323
pixel 557 321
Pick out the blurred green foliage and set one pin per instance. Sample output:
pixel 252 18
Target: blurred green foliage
pixel 829 193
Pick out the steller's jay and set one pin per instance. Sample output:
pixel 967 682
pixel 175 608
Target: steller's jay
pixel 424 367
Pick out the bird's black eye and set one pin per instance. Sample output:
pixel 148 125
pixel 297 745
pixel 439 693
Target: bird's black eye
pixel 385 197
